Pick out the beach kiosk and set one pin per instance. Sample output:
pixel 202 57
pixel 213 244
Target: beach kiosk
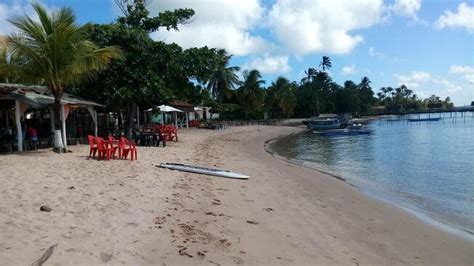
pixel 15 99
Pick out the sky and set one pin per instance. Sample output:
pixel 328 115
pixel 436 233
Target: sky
pixel 428 45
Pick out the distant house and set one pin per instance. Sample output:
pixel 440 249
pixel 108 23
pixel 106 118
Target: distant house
pixel 378 110
pixel 192 112
pixel 435 106
pixel 328 116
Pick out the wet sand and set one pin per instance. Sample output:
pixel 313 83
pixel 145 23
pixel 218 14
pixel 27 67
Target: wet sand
pixel 122 212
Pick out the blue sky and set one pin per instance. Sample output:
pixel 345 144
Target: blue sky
pixel 425 44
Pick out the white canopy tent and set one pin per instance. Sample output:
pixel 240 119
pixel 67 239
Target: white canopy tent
pixel 168 109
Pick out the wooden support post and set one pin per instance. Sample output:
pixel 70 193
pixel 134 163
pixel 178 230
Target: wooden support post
pixel 175 119
pixel 187 119
pixel 96 127
pixel 7 120
pixel 51 119
pixel 19 133
pixel 138 117
pixel 63 126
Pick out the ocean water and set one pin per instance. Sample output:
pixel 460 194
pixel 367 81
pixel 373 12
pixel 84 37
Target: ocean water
pixel 425 166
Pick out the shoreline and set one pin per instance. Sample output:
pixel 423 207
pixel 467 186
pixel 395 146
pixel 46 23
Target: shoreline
pixel 375 194
pixel 122 212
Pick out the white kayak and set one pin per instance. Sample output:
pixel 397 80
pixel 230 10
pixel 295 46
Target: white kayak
pixel 203 170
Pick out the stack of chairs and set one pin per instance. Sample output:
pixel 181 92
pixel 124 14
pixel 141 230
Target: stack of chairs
pixel 107 149
pixel 170 132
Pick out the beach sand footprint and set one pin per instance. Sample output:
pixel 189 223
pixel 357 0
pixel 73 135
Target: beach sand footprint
pixel 105 257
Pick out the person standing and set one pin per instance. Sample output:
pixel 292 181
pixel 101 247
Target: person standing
pixel 32 135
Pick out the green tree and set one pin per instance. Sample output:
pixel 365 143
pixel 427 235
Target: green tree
pixel 56 51
pixel 151 71
pixel 316 96
pixel 223 79
pixel 365 95
pixel 350 100
pixel 447 104
pixel 8 64
pixel 325 63
pixel 251 95
pixel 311 73
pixel 281 98
pixel 400 100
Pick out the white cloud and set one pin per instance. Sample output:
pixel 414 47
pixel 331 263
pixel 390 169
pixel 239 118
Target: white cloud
pixel 311 26
pixel 414 79
pixel 376 54
pixel 379 55
pixel 269 64
pixel 15 8
pixel 466 71
pixel 448 85
pixel 349 70
pixel 463 18
pixel 457 69
pixel 408 8
pixel 221 24
pixel 426 84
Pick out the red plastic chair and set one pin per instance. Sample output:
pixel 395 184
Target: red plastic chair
pixel 195 123
pixel 115 146
pixel 128 147
pixel 173 133
pixel 92 145
pixel 105 152
pixel 170 133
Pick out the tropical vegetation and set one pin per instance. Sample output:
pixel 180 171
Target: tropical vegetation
pixel 54 51
pixel 119 65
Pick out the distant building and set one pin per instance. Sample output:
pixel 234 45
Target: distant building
pixel 378 110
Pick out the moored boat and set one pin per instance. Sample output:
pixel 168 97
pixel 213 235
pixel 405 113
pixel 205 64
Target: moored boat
pixel 324 123
pixel 354 126
pixel 344 132
pixel 429 119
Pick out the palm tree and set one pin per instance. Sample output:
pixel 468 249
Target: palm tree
pixel 250 94
pixel 281 97
pixel 311 73
pixel 325 63
pixel 364 83
pixel 223 79
pixel 56 51
pixel 8 64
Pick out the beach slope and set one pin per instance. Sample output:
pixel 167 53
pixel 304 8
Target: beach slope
pixel 136 213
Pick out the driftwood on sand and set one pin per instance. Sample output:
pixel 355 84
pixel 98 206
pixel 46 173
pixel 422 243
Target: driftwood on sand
pixel 45 257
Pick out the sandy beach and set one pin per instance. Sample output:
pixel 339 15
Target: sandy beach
pixel 134 213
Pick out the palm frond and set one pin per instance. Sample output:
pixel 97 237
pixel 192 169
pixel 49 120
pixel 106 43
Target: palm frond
pixel 55 49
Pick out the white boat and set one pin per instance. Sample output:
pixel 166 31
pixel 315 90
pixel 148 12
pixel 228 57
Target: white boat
pixel 354 126
pixel 203 170
pixel 324 123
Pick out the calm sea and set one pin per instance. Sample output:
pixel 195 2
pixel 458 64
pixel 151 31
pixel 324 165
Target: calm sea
pixel 426 166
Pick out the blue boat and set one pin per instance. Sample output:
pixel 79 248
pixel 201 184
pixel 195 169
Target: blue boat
pixel 429 119
pixel 344 132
